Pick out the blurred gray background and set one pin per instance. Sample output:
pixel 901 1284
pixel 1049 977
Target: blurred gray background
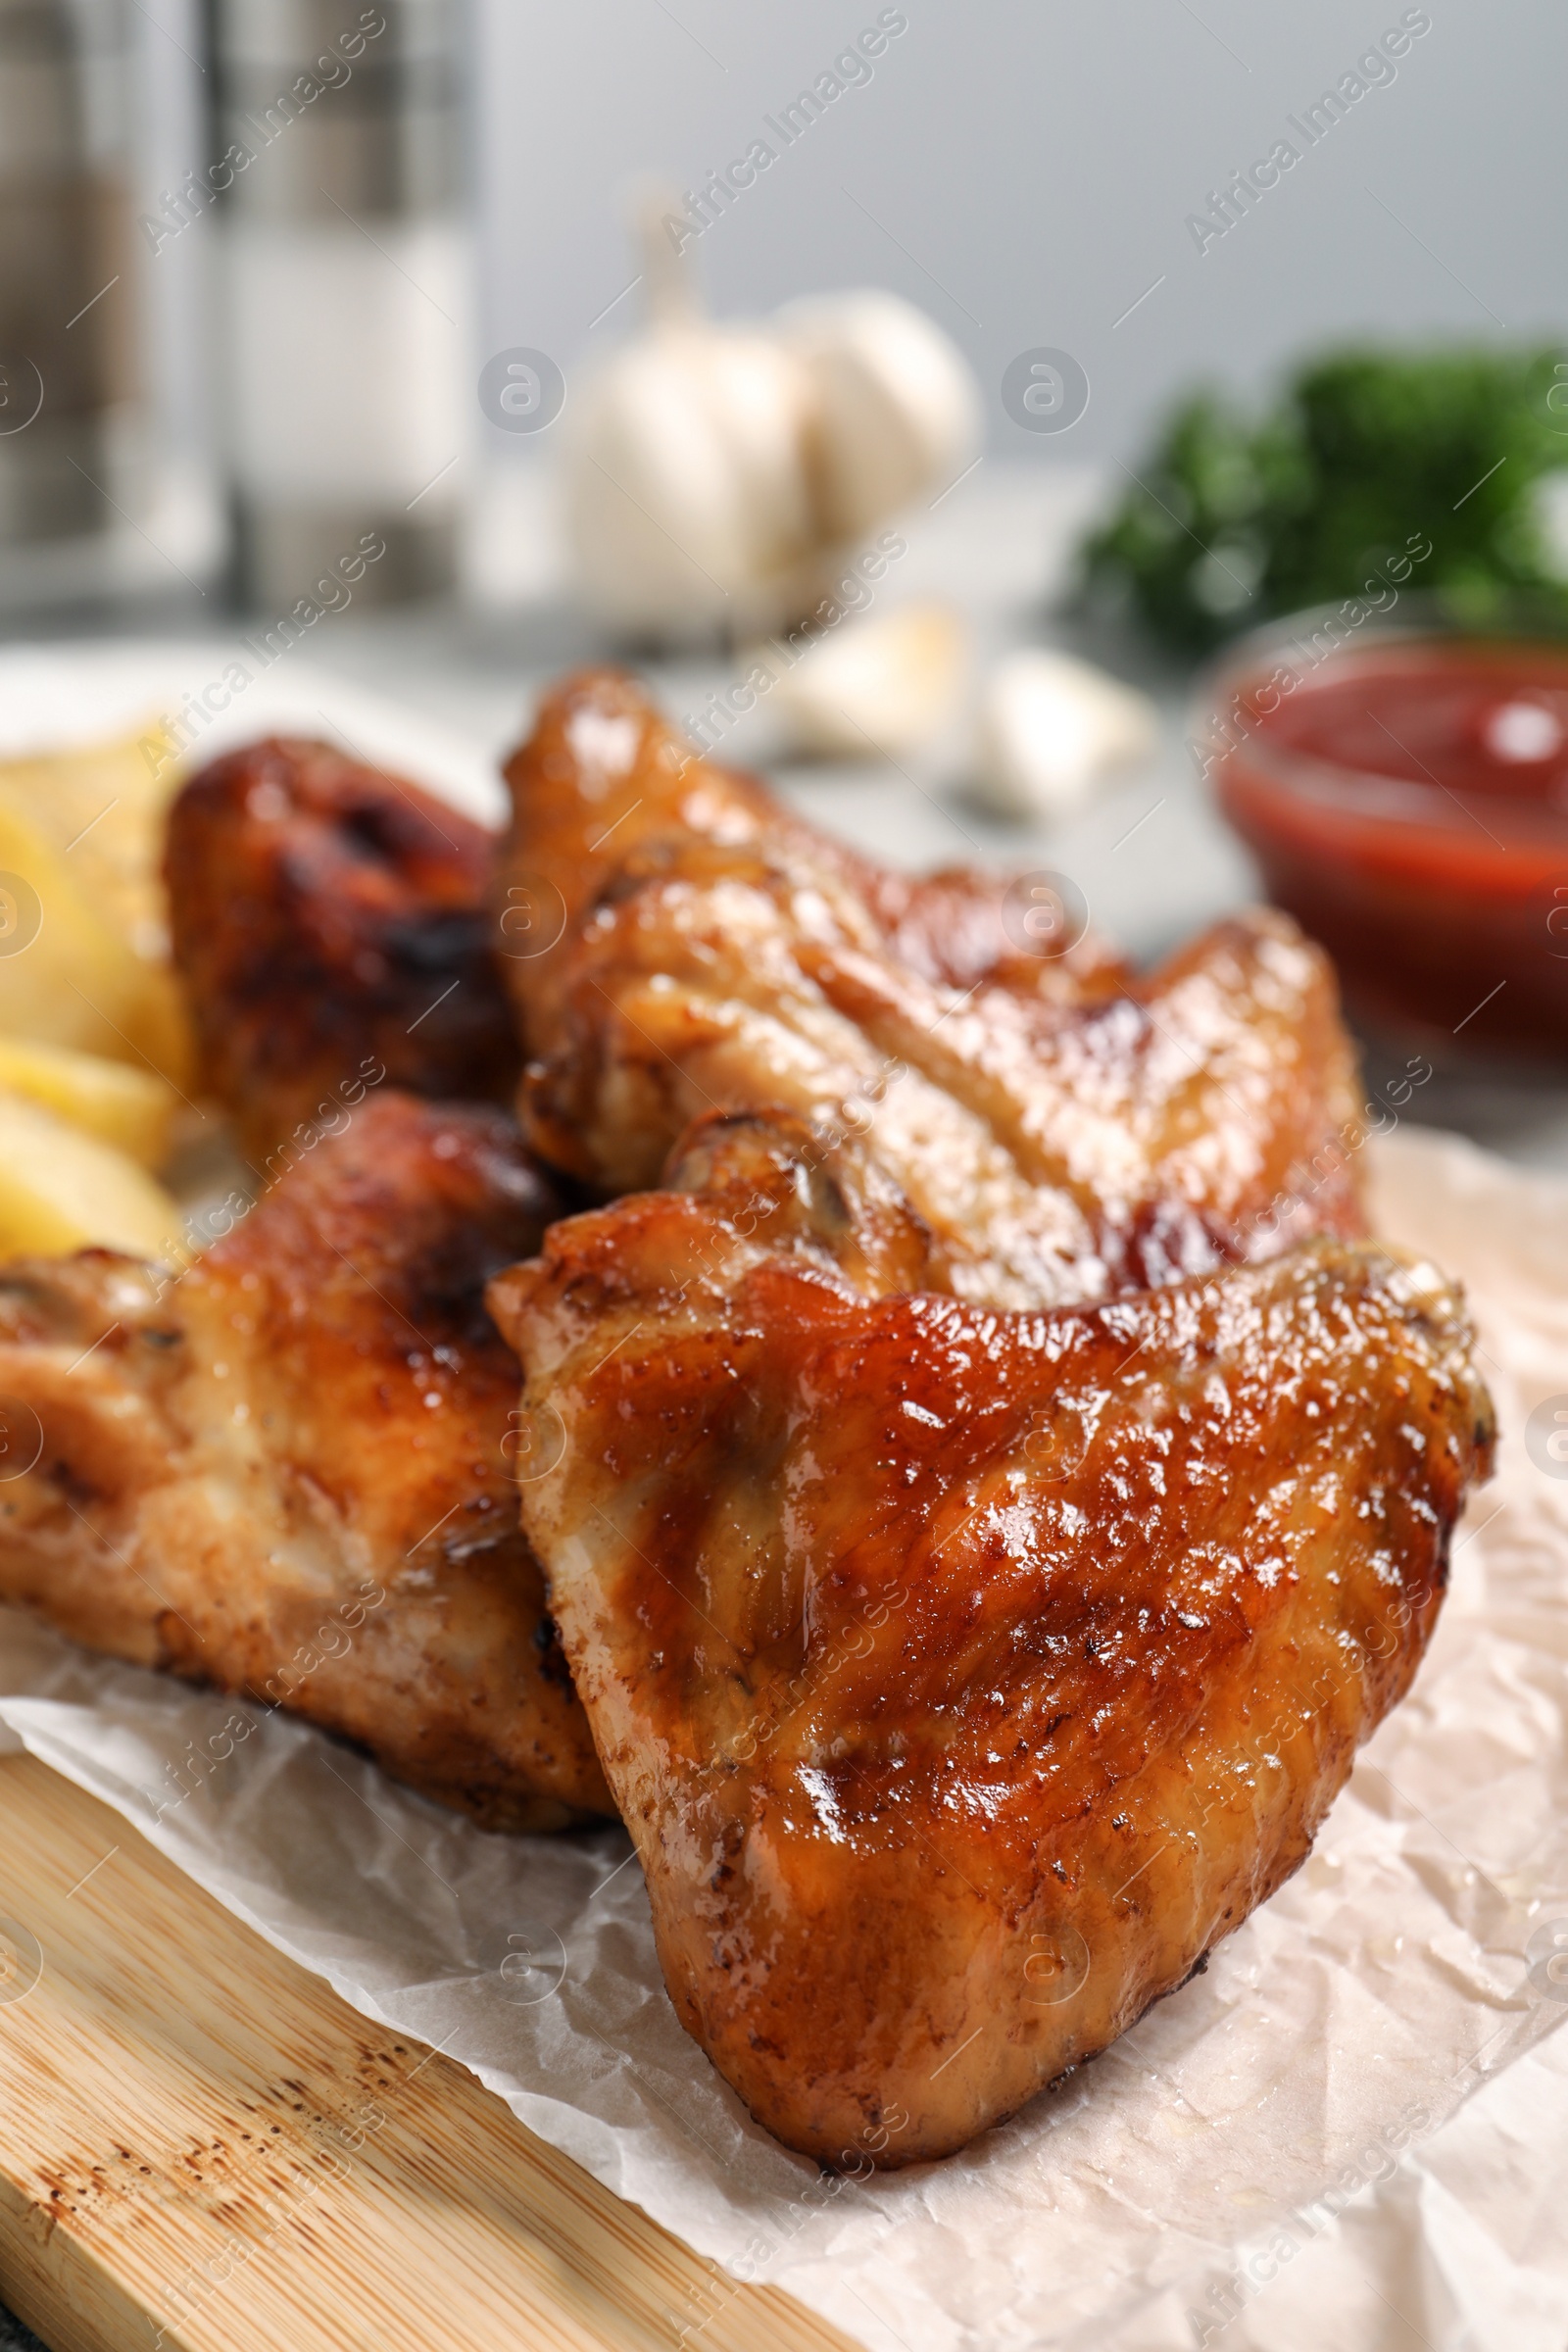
pixel 1025 172
pixel 1024 169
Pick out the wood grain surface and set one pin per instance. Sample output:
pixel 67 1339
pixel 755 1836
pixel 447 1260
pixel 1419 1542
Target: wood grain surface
pixel 203 2148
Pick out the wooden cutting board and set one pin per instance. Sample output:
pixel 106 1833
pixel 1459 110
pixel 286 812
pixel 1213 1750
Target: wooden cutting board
pixel 204 2149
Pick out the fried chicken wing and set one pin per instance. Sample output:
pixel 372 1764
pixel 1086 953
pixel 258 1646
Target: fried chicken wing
pixel 325 915
pixel 964 1676
pixel 290 1471
pixel 604 779
pixel 1064 1132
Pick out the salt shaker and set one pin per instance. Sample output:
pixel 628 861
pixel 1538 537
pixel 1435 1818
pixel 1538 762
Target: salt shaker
pixel 344 295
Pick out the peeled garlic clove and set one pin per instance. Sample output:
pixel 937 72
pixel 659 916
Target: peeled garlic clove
pixel 896 406
pixel 1051 728
pixel 689 503
pixel 883 685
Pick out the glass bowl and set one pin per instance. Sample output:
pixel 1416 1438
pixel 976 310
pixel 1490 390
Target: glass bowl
pixel 1403 786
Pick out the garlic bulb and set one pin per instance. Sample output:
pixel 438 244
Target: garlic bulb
pixel 1051 728
pixel 883 685
pixel 895 406
pixel 716 473
pixel 688 507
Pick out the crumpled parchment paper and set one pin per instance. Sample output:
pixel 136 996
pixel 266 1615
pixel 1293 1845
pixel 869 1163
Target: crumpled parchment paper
pixel 1346 2133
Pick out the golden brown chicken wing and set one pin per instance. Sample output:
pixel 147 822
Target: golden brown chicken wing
pixel 963 1676
pixel 1064 1131
pixel 325 916
pixel 291 1471
pixel 603 781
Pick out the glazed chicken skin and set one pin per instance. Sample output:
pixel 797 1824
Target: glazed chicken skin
pixel 1064 1131
pixel 964 1676
pixel 291 1471
pixel 604 780
pixel 328 918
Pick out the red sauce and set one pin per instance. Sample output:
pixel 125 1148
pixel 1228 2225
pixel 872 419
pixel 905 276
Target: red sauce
pixel 1408 803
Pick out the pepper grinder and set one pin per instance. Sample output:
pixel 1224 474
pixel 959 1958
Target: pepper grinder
pixel 66 377
pixel 344 265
